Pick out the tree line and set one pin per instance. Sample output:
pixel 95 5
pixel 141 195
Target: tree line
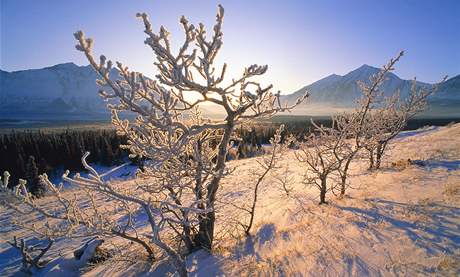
pixel 27 154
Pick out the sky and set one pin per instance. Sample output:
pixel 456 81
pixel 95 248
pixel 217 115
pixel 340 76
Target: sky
pixel 301 41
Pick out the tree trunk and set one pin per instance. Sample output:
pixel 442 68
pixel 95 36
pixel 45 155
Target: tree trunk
pixel 254 199
pixel 178 264
pixel 205 235
pixel 188 239
pixel 194 242
pixel 342 187
pixel 378 156
pixel 181 268
pixel 371 159
pixel 322 194
pixel 344 176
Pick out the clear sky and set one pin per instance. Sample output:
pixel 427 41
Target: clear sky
pixel 301 41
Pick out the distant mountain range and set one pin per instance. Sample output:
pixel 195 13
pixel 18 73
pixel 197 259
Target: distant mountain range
pixel 63 89
pixel 68 91
pixel 342 91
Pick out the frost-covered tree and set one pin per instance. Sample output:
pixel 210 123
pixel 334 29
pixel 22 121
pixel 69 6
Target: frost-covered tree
pixel 162 104
pixel 317 152
pixel 266 165
pixel 34 185
pixel 390 118
pixel 330 150
pixel 31 172
pixel 376 120
pixel 170 208
pixel 30 259
pixel 357 127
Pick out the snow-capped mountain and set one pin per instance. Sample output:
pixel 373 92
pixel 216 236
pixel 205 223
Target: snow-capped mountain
pixel 344 90
pixel 61 89
pixel 450 89
pixel 70 91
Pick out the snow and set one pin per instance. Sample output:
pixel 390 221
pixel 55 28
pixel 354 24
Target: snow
pixel 393 222
pixel 68 265
pixel 417 132
pixel 123 172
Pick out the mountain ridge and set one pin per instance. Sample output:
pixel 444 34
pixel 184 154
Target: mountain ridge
pixel 70 89
pixel 343 90
pixel 64 88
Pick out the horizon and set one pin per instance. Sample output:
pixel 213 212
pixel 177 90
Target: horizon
pixel 317 48
pixel 284 93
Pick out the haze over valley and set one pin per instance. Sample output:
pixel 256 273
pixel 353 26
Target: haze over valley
pixel 69 92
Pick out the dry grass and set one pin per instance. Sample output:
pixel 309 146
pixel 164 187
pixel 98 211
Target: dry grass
pixel 451 190
pixel 449 265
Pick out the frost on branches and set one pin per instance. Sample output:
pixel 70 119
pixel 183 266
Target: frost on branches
pixel 328 152
pixel 176 193
pixel 391 117
pixel 356 127
pixel 266 164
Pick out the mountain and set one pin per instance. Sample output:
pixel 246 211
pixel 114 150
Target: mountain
pixel 446 101
pixel 450 89
pixel 336 92
pixel 63 89
pixel 344 90
pixel 68 91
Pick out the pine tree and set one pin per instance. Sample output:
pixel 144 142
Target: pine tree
pixel 33 181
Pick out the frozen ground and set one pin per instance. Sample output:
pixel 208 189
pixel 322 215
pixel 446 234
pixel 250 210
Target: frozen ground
pixel 401 221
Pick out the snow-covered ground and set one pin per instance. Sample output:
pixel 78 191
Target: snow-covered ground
pixel 393 222
pixel 125 171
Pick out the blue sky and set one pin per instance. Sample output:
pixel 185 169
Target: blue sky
pixel 301 41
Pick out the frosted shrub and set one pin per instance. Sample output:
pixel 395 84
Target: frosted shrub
pixel 186 153
pixel 374 122
pixel 329 151
pixel 317 153
pixel 389 119
pixel 355 128
pixel 266 164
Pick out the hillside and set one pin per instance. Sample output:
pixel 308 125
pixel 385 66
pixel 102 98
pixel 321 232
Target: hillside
pixel 398 221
